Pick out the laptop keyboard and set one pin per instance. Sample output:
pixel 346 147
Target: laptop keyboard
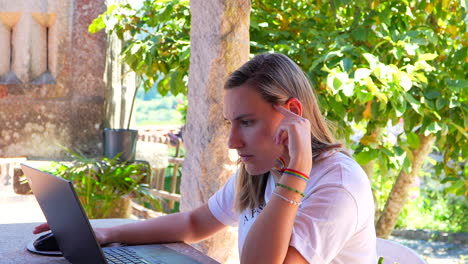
pixel 121 255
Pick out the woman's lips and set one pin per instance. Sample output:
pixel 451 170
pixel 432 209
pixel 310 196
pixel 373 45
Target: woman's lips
pixel 246 158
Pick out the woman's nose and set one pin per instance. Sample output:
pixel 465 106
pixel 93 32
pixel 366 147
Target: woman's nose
pixel 235 139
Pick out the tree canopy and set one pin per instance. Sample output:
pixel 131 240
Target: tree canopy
pixel 378 61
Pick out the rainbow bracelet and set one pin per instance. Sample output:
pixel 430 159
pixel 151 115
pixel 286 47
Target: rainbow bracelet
pixel 280 169
pixel 295 173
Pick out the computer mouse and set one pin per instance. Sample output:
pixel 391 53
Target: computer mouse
pixel 46 242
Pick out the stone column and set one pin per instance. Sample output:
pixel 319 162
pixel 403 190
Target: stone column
pixel 219 45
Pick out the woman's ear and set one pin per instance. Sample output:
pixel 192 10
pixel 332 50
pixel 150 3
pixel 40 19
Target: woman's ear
pixel 295 106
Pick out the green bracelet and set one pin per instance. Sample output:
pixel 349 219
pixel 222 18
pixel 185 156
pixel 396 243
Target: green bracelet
pixel 290 188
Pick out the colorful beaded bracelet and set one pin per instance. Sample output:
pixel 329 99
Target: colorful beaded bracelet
pixel 290 188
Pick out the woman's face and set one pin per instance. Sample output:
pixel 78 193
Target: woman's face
pixel 253 123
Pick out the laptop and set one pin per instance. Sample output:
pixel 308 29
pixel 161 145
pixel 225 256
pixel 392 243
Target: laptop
pixel 74 234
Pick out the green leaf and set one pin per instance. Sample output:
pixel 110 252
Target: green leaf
pixel 415 104
pixel 411 48
pixel 431 94
pixel 373 61
pixel 405 82
pixel 348 88
pixel 96 25
pixel 413 140
pixel 362 73
pixel 458 127
pixel 337 83
pixel 360 34
pixel 407 165
pixel 399 105
pixel 457 85
pixel 440 103
pixel 346 64
pixel 433 128
pixel 427 56
pixel 366 156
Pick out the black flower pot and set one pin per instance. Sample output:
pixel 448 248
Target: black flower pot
pixel 118 141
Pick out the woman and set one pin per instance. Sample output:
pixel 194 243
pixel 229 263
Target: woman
pixel 296 198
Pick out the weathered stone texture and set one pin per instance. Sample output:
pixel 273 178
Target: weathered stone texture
pixel 51 78
pixel 219 45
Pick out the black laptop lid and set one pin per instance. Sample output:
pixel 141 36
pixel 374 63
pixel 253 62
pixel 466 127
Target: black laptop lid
pixel 65 216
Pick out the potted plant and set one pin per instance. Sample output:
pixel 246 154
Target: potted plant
pixel 155 46
pixel 106 186
pixel 121 142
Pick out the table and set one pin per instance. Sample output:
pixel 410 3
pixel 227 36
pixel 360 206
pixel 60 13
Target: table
pixel 15 237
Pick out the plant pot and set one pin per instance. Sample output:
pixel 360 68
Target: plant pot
pixel 117 208
pixel 122 141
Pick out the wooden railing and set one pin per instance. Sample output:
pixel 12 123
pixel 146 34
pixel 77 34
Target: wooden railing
pixel 159 174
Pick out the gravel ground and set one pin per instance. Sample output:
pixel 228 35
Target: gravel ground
pixel 435 252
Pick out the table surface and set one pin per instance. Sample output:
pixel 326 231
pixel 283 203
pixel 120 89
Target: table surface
pixel 15 237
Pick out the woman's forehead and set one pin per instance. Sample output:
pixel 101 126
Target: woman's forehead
pixel 243 100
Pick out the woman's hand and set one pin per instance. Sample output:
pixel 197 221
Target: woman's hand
pixel 102 234
pixel 294 132
pixel 41 228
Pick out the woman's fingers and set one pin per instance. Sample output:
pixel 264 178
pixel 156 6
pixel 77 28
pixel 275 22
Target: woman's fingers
pixel 281 137
pixel 41 228
pixel 282 132
pixel 285 111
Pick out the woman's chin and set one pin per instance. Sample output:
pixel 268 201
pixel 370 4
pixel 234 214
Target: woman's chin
pixel 253 170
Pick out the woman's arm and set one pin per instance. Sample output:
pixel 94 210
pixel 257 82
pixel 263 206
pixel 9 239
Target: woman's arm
pixel 188 227
pixel 269 237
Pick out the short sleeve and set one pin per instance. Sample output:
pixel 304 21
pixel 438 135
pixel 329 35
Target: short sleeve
pixel 324 223
pixel 221 204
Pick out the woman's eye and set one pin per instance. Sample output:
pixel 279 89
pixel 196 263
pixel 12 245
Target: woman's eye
pixel 246 122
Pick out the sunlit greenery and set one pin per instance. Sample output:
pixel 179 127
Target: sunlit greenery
pixel 155 109
pixel 373 63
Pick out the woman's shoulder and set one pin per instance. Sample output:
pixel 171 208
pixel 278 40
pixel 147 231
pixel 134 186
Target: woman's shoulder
pixel 340 174
pixel 339 169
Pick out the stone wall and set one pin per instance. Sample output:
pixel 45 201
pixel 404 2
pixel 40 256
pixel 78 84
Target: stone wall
pixel 51 78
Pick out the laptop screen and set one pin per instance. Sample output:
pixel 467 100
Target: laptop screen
pixel 65 216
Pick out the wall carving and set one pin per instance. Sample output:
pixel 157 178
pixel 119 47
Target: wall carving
pixel 51 78
pixel 33 64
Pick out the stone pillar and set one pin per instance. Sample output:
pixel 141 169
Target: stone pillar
pixel 219 45
pixel 51 78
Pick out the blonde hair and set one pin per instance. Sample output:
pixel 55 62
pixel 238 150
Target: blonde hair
pixel 278 79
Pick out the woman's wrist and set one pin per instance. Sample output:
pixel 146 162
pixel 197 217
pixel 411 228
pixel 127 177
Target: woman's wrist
pixel 107 235
pixel 303 167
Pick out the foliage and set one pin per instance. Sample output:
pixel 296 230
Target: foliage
pixel 431 205
pixel 101 182
pixel 156 41
pixel 381 260
pixel 374 64
pixel 380 62
pixel 158 109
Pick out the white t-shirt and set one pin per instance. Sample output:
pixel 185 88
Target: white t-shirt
pixel 335 222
